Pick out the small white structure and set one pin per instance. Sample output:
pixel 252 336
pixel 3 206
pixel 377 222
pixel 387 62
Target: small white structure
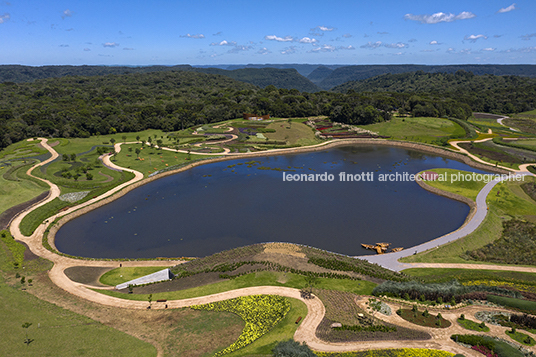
pixel 161 275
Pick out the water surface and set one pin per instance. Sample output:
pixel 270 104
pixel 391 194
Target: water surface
pixel 224 205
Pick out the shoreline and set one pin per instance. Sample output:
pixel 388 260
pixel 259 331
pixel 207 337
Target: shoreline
pixel 54 228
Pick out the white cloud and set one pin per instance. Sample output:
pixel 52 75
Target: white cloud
pixel 110 44
pixel 373 45
pixel 66 13
pixel 308 40
pixel 289 50
pixel 239 48
pixel 196 36
pixel 350 47
pixel 264 51
pixel 224 43
pixel 429 50
pixel 508 9
pixel 4 17
pixel 528 37
pixel 323 28
pixel 434 42
pixel 324 48
pixel 488 49
pixel 219 33
pixel 439 17
pixel 279 39
pixel 473 38
pixel 346 35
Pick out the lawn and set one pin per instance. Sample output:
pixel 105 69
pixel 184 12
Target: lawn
pixel 124 274
pixel 359 287
pixel 296 133
pixel 12 192
pixel 472 325
pixel 54 331
pixel 520 337
pixel 468 189
pixel 425 130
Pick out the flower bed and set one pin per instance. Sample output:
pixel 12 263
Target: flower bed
pixel 260 312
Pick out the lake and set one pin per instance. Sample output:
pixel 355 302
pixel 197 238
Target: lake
pixel 229 204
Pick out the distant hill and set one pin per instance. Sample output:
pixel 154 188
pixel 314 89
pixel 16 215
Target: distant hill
pixel 287 78
pixel 22 74
pixel 303 69
pixel 352 73
pixel 319 74
pixel 485 93
pixel 262 77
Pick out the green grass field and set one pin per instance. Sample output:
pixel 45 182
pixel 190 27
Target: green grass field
pixel 443 275
pixel 54 330
pixel 425 130
pixel 13 193
pixel 124 274
pixel 472 325
pixel 506 200
pixel 359 287
pixel 296 133
pixel 465 188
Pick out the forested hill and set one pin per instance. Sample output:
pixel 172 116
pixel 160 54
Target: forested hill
pixel 352 73
pixel 20 74
pixel 485 93
pixel 77 106
pixel 287 78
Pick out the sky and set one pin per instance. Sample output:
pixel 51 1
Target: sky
pixel 210 32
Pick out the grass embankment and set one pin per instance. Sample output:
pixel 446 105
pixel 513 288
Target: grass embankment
pixel 450 180
pixel 16 187
pixel 424 130
pixel 521 337
pixel 31 221
pixel 506 200
pixel 295 133
pixel 359 287
pixel 124 274
pixel 53 330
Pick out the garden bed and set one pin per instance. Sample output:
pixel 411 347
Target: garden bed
pixel 423 318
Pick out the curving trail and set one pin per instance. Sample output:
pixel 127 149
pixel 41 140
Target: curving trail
pixel 304 333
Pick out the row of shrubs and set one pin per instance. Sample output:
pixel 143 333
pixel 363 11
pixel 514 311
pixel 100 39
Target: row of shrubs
pixel 372 328
pixel 223 268
pixel 498 348
pixel 453 291
pixel 340 265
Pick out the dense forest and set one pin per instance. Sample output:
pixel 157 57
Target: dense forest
pixel 80 106
pixel 486 93
pixel 327 79
pixel 287 78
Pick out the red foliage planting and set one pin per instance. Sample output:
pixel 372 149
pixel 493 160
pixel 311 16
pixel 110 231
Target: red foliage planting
pixel 485 351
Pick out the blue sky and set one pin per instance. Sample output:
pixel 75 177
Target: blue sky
pixel 134 32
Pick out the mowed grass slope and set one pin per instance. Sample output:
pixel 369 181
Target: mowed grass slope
pixel 55 331
pixel 424 130
pixel 454 184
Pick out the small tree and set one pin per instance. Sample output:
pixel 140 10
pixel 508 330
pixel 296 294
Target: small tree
pixel 124 137
pixel 130 149
pixel 462 317
pixel 25 326
pixel 112 140
pixel 73 157
pixel 150 299
pixel 22 280
pixel 130 288
pixel 89 176
pixel 137 138
pixel 138 150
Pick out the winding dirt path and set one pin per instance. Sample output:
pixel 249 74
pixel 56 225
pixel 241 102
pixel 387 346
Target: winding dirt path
pixel 304 333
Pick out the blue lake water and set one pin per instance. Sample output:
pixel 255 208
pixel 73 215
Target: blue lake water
pixel 219 206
